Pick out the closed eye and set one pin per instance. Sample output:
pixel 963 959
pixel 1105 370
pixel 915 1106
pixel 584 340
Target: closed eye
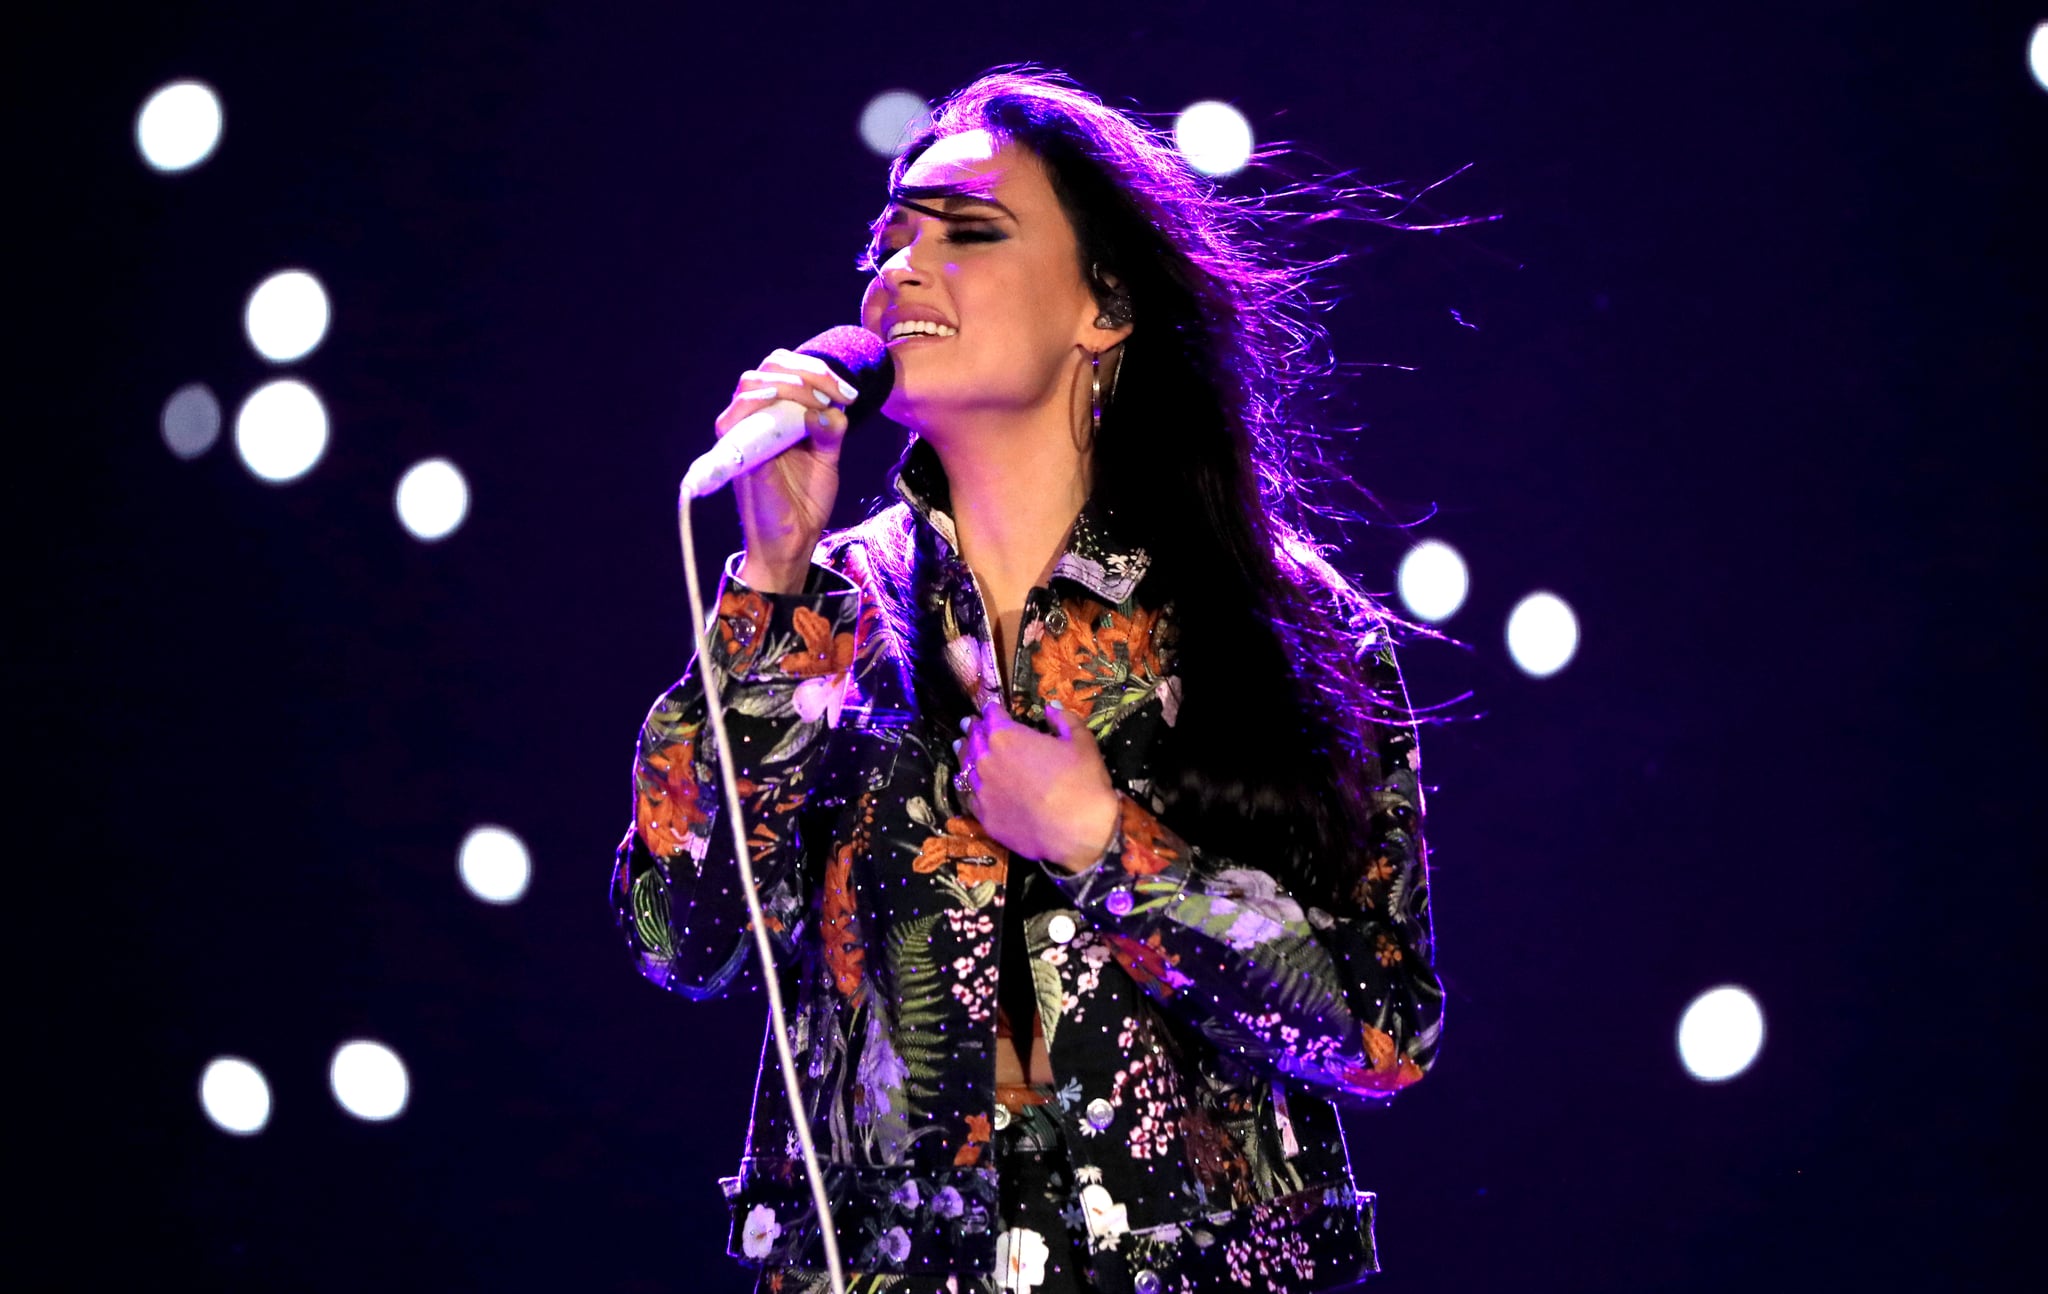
pixel 878 252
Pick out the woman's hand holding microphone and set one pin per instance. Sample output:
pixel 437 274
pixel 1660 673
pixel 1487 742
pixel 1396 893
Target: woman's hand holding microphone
pixel 785 503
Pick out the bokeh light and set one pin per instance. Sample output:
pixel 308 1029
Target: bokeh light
pixel 1213 136
pixel 369 1080
pixel 891 120
pixel 1433 581
pixel 235 1096
pixel 432 499
pixel 191 420
pixel 494 865
pixel 281 431
pixel 179 126
pixel 1720 1034
pixel 2037 55
pixel 287 316
pixel 1543 634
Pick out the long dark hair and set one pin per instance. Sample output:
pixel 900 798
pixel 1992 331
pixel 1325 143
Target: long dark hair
pixel 1197 461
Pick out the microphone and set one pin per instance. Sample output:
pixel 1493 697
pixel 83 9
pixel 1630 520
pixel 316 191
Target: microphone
pixel 855 354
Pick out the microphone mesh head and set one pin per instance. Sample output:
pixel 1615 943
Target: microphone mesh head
pixel 862 359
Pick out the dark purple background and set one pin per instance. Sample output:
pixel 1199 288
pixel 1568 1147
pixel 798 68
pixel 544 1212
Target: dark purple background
pixel 1744 386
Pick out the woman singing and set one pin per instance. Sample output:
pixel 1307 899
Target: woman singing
pixel 1080 790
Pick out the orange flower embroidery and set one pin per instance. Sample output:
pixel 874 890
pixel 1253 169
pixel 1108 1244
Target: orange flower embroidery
pixel 1147 963
pixel 1371 879
pixel 975 857
pixel 844 955
pixel 1136 634
pixel 1098 647
pixel 670 801
pixel 1063 664
pixel 823 654
pixel 977 1137
pixel 867 630
pixel 1386 1071
pixel 742 616
pixel 1149 848
pixel 1219 1162
pixel 1386 950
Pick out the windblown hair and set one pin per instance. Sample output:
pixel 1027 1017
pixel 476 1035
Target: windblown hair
pixel 1199 461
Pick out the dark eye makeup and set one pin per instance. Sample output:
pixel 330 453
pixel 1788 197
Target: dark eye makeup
pixel 878 251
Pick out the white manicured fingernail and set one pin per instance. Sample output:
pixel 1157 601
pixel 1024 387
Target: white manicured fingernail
pixel 822 397
pixel 848 391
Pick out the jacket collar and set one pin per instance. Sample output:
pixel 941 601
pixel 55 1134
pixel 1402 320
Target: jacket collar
pixel 1095 557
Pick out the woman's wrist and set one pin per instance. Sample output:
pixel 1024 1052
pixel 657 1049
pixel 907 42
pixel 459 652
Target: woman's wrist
pixel 767 574
pixel 1099 832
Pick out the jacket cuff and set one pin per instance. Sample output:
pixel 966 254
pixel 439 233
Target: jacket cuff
pixel 785 637
pixel 1142 871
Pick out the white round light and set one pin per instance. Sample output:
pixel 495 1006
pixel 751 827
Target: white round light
pixel 369 1080
pixel 1213 136
pixel 282 430
pixel 891 120
pixel 191 420
pixel 179 126
pixel 1720 1034
pixel 494 865
pixel 1433 581
pixel 287 316
pixel 234 1095
pixel 1543 634
pixel 2037 55
pixel 432 499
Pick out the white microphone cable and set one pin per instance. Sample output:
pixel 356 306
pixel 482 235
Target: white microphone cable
pixel 779 1024
pixel 859 356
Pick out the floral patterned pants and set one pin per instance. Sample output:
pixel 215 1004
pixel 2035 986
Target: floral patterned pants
pixel 1043 1236
pixel 1042 1241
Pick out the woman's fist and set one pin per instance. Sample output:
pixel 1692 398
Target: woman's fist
pixel 785 503
pixel 1040 795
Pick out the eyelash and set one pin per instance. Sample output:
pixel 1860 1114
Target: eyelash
pixel 878 253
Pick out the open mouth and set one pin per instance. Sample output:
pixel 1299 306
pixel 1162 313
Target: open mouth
pixel 915 329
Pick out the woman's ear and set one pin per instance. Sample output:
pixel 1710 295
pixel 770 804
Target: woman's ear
pixel 1115 319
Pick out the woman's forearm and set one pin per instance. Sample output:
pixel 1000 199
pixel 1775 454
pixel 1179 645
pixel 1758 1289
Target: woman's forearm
pixel 785 664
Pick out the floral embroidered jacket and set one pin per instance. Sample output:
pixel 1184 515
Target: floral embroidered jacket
pixel 1201 1023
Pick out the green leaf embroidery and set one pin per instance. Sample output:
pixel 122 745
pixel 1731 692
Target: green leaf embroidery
pixel 1045 983
pixel 650 914
pixel 778 702
pixel 799 736
pixel 921 998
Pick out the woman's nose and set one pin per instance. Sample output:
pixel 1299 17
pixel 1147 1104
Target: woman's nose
pixel 897 271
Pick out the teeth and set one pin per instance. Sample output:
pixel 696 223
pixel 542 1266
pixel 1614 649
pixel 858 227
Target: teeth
pixel 920 327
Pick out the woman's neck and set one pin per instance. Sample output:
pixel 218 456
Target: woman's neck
pixel 1014 498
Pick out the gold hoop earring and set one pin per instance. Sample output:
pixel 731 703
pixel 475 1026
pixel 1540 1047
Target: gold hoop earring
pixel 1095 394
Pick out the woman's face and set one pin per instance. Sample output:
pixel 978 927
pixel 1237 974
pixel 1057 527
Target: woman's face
pixel 984 307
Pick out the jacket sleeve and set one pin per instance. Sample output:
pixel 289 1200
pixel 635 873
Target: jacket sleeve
pixel 784 665
pixel 1348 1001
